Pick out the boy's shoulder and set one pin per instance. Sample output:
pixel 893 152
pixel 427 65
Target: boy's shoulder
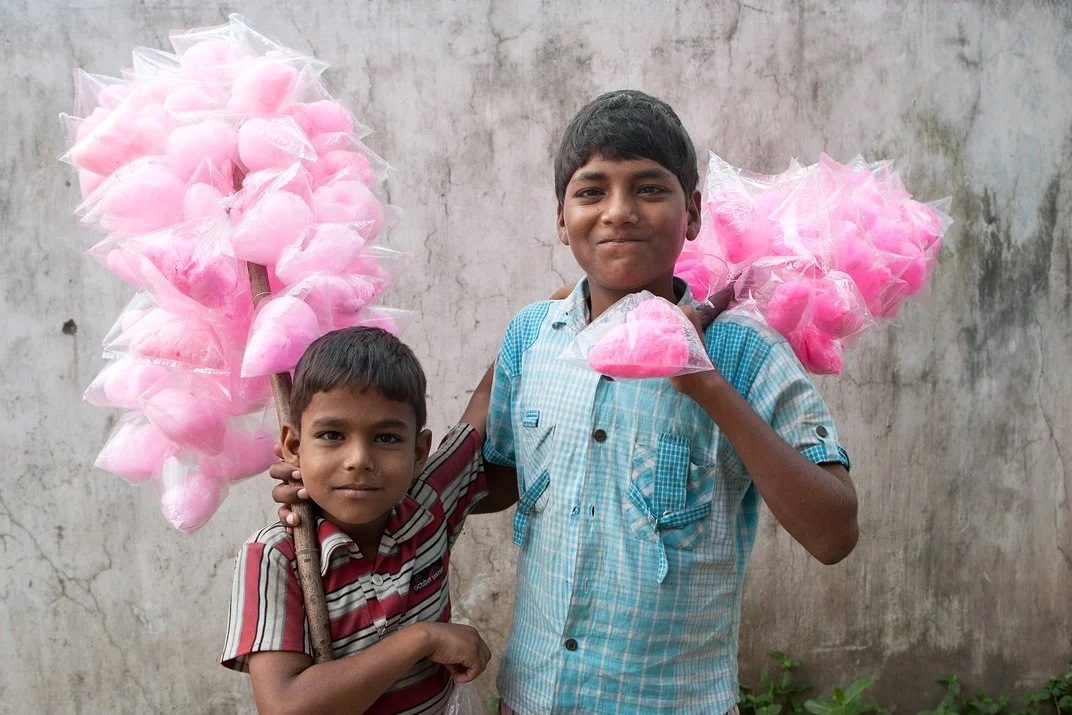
pixel 273 537
pixel 739 344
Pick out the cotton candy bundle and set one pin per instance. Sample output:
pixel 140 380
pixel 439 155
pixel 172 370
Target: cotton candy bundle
pixel 640 336
pixel 819 252
pixel 226 151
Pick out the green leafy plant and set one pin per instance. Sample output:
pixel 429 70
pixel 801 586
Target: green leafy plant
pixel 845 701
pixel 777 694
pixel 1057 692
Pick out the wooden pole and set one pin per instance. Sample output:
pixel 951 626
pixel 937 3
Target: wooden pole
pixel 306 544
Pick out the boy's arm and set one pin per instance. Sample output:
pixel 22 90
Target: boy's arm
pixel 502 481
pixel 287 682
pixel 815 503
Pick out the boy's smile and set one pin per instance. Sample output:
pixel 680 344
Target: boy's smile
pixel 358 453
pixel 625 221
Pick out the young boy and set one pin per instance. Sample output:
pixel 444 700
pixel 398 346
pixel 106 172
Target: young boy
pixel 390 516
pixel 639 499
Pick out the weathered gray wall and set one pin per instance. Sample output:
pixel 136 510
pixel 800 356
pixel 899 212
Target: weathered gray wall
pixel 957 418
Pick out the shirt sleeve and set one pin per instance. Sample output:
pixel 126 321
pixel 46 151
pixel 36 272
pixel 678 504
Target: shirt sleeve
pixel 266 612
pixel 499 443
pixel 784 395
pixel 456 474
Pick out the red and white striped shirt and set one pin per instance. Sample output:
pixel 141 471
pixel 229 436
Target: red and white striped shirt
pixel 366 601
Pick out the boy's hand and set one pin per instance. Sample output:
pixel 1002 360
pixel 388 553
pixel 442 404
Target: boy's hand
pixel 286 493
pixel 459 647
pixel 693 383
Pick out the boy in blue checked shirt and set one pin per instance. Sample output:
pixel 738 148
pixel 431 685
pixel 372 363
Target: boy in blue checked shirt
pixel 639 499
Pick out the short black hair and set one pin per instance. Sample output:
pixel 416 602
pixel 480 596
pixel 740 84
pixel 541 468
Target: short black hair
pixel 357 359
pixel 626 124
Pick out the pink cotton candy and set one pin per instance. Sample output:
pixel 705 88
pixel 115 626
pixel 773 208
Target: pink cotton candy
pixel 271 144
pixel 190 99
pixel 88 182
pixel 136 451
pixel 146 199
pixel 652 342
pixel 212 61
pixel 261 87
pixel 188 146
pixel 835 313
pixel 187 419
pixel 787 304
pixel 185 340
pixel 328 248
pixel 325 116
pixel 123 382
pixel 203 201
pixel 818 353
pixel 338 300
pixel 188 503
pixel 349 202
pixel 273 222
pixel 282 329
pixel 340 163
pixel 245 453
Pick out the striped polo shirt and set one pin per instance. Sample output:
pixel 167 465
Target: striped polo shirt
pixel 366 601
pixel 636 516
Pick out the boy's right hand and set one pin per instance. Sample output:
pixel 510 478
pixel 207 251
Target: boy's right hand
pixel 286 493
pixel 458 647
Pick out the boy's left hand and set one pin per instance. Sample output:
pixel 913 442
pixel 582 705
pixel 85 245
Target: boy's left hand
pixel 286 493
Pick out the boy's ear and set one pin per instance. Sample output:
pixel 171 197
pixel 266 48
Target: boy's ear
pixel 692 208
pixel 560 221
pixel 290 440
pixel 423 447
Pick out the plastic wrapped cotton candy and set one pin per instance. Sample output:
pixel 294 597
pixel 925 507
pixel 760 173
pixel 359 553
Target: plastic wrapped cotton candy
pixel 206 167
pixel 640 336
pixel 189 498
pixel 853 224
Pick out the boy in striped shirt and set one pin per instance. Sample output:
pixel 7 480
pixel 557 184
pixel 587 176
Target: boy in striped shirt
pixel 390 514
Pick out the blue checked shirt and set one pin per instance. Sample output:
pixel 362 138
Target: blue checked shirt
pixel 636 517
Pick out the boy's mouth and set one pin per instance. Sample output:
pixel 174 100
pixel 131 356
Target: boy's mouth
pixel 356 491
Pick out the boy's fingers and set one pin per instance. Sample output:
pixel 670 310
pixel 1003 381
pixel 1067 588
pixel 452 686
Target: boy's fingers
pixel 284 472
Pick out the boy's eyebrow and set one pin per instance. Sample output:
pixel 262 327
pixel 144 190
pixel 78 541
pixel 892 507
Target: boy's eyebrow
pixel 648 173
pixel 335 422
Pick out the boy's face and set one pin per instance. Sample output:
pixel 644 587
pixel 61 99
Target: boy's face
pixel 358 453
pixel 625 221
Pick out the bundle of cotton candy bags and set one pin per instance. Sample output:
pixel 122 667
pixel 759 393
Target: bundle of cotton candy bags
pixel 819 252
pixel 227 151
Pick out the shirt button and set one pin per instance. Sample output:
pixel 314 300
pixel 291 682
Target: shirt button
pixel 377 580
pixel 821 431
pixel 599 436
pixel 571 644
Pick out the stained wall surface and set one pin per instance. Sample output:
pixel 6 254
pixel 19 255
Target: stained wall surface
pixel 956 416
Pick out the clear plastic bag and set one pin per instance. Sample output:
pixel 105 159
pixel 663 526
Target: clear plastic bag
pixel 640 336
pixel 465 700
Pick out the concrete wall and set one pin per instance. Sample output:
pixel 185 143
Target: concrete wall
pixel 957 417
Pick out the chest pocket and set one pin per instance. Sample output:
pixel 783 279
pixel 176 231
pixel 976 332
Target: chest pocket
pixel 670 498
pixel 537 445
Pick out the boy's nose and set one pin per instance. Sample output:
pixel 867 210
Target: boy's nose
pixel 620 208
pixel 358 457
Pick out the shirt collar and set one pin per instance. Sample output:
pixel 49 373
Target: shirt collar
pixel 573 312
pixel 404 522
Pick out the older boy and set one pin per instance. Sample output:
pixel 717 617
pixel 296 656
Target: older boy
pixel 390 516
pixel 640 498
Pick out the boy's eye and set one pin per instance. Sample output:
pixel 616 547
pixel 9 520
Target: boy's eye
pixel 330 436
pixel 389 438
pixel 652 189
pixel 588 193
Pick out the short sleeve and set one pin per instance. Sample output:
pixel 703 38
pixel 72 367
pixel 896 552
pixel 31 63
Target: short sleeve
pixel 784 395
pixel 266 611
pixel 499 445
pixel 455 472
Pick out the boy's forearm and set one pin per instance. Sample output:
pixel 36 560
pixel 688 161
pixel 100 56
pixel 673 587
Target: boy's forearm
pixel 816 504
pixel 347 685
pixel 502 489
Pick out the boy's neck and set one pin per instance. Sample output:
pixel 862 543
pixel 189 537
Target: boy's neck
pixel 599 299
